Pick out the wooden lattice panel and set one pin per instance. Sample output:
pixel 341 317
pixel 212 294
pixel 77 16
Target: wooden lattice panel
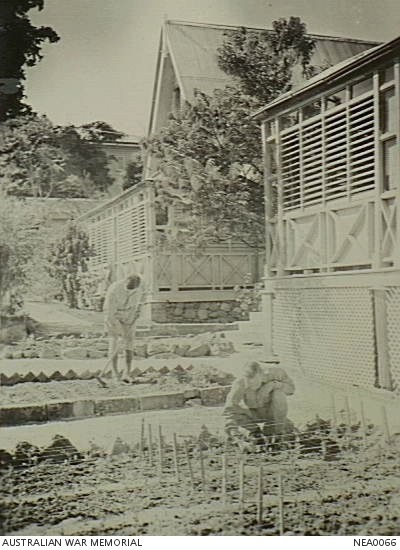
pixel 195 271
pixel 214 271
pixel 312 164
pixel 388 246
pixel 163 271
pixel 286 325
pixel 234 269
pixel 305 241
pixel 350 240
pixel 336 238
pixel 290 169
pixel 131 232
pixel 101 238
pixel 330 156
pixel 327 332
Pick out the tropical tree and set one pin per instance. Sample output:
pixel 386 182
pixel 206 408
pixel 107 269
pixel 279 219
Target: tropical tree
pixel 20 46
pixel 262 62
pixel 85 159
pixel 31 161
pixel 208 164
pixel 23 235
pixel 133 174
pixel 207 161
pixel 38 159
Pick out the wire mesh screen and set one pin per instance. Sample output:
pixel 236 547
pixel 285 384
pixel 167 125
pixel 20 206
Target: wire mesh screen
pixel 327 332
pixel 393 328
pixel 286 324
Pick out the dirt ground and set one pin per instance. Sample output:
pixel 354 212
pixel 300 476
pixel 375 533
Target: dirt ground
pixel 355 494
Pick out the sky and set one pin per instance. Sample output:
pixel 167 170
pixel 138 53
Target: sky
pixel 103 67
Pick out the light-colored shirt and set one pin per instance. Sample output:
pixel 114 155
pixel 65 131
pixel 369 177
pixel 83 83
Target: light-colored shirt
pixel 122 304
pixel 258 398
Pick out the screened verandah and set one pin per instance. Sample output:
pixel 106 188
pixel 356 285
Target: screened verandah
pixel 333 162
pixel 126 235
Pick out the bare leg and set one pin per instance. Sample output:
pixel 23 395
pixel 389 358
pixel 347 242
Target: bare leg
pixel 115 366
pixel 113 355
pixel 275 414
pixel 128 341
pixel 128 361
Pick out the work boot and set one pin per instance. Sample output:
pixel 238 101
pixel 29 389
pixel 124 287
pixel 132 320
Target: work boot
pixel 126 377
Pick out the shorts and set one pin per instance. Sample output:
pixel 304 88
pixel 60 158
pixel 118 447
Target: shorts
pixel 118 330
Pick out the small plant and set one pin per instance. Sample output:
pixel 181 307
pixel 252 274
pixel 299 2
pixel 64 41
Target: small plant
pixel 93 288
pixel 88 283
pixel 248 296
pixel 68 259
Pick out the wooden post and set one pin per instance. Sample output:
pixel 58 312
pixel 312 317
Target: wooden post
pixel 280 497
pixel 397 199
pixel 268 195
pixel 378 190
pixel 202 470
pixel 241 485
pixel 348 414
pixel 381 334
pixel 224 478
pixel 386 430
pixel 189 465
pixel 323 448
pixel 142 439
pixel 334 417
pixel 160 452
pixel 363 424
pixel 176 459
pixel 260 491
pixel 150 445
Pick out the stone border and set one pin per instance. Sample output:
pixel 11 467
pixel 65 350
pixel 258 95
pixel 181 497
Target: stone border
pixel 53 411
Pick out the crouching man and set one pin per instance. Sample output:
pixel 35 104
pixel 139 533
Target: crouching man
pixel 121 311
pixel 259 398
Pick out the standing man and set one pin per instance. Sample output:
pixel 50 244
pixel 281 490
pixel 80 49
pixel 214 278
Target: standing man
pixel 121 311
pixel 259 397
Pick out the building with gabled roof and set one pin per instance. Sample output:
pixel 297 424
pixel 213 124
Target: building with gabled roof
pixel 129 231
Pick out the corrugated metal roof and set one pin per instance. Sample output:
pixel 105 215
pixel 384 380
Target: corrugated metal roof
pixel 194 46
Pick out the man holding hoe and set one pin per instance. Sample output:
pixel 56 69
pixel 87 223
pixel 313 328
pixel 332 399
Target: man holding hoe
pixel 121 311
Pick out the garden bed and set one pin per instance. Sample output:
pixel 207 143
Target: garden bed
pixel 144 382
pixel 132 492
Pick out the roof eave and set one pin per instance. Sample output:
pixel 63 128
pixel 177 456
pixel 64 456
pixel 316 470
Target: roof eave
pixel 308 89
pixel 156 81
pixel 261 29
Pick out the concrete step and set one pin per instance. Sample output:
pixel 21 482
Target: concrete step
pixel 250 326
pixel 155 329
pixel 252 330
pixel 257 317
pixel 183 329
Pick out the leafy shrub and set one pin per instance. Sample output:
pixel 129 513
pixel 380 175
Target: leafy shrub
pixel 68 259
pixel 248 296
